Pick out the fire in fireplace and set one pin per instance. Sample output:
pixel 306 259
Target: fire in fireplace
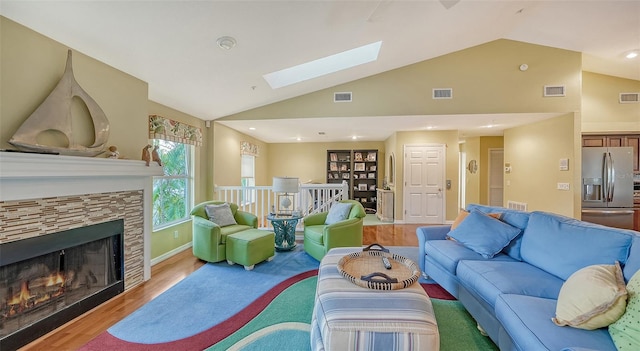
pixel 48 280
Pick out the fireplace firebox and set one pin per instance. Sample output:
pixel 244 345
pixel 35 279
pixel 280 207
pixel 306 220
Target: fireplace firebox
pixel 48 280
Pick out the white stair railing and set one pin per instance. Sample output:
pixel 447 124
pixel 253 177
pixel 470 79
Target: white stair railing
pixel 261 200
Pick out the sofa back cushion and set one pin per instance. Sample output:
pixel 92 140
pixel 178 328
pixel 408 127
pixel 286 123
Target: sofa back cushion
pixel 484 234
pixel 518 219
pixel 562 245
pixel 633 261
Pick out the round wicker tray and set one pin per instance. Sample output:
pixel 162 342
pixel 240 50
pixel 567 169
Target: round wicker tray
pixel 366 269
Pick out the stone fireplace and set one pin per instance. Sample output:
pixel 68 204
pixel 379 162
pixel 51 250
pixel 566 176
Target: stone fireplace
pixel 47 195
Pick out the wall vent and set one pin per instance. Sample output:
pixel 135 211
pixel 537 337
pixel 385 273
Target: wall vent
pixel 443 93
pixel 629 98
pixel 514 205
pixel 554 90
pixel 342 97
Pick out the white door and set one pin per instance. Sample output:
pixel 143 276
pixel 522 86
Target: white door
pixel 424 184
pixel 496 177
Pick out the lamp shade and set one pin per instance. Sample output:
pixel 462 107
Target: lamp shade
pixel 285 185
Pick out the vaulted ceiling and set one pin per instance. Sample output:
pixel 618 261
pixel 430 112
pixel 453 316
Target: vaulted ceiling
pixel 172 44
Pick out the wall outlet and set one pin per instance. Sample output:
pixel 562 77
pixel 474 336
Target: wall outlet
pixel 563 186
pixel 176 235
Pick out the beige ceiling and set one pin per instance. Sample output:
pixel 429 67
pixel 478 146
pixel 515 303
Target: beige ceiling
pixel 172 44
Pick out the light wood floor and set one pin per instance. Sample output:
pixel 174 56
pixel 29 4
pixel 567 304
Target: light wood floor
pixel 164 275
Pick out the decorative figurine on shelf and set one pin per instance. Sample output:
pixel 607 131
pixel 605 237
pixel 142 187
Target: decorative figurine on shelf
pixel 146 155
pixel 155 156
pixel 113 152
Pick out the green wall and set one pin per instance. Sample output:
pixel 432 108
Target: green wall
pixel 484 79
pixel 601 110
pixel 534 152
pixel 32 64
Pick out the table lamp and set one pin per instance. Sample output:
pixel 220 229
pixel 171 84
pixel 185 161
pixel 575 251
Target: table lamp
pixel 285 185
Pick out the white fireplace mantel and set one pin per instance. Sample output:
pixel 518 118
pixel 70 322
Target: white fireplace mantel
pixel 28 176
pixel 25 176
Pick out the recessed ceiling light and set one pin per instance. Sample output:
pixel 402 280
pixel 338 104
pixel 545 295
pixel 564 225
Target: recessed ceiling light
pixel 354 137
pixel 226 43
pixel 323 66
pixel 632 54
pixel 299 139
pixel 252 128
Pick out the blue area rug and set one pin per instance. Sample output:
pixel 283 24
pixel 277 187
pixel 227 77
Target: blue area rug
pixel 212 294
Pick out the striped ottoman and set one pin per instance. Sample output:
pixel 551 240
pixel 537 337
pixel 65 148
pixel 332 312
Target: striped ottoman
pixel 349 317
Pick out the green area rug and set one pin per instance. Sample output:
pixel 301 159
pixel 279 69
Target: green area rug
pixel 284 325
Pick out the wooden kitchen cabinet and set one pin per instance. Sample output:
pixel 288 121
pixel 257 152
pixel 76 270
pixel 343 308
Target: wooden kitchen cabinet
pixel 636 220
pixel 616 140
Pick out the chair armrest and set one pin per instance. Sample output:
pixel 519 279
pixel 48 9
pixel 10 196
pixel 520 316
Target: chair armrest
pixel 315 219
pixel 343 233
pixel 246 218
pixel 204 227
pixel 435 232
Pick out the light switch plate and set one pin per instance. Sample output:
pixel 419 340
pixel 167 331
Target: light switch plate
pixel 563 186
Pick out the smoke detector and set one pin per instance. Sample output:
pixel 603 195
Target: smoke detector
pixel 226 43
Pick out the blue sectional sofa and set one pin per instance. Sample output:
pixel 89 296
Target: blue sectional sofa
pixel 513 295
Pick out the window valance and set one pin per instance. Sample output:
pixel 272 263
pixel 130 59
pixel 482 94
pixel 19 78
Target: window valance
pixel 168 129
pixel 247 148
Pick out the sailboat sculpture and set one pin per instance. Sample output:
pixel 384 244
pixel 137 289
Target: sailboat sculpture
pixel 55 114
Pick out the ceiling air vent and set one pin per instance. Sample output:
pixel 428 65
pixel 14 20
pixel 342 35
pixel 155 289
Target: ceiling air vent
pixel 443 93
pixel 629 98
pixel 342 97
pixel 553 90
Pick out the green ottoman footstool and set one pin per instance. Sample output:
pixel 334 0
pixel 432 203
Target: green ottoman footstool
pixel 249 247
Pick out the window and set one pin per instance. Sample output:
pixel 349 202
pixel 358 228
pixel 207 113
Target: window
pixel 248 178
pixel 172 192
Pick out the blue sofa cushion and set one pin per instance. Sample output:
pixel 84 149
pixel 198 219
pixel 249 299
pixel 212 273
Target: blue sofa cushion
pixel 486 280
pixel 448 253
pixel 518 219
pixel 550 242
pixel 527 321
pixel 633 261
pixel 484 234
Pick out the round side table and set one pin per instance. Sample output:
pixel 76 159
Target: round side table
pixel 284 228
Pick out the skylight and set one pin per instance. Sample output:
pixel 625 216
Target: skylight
pixel 324 66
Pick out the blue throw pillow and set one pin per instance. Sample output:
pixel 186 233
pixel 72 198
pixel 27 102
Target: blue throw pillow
pixel 483 234
pixel 338 212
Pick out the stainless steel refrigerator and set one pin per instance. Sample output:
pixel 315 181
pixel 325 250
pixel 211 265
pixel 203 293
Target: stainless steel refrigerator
pixel 607 186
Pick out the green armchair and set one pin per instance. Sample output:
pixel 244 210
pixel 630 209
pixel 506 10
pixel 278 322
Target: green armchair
pixel 319 237
pixel 209 239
